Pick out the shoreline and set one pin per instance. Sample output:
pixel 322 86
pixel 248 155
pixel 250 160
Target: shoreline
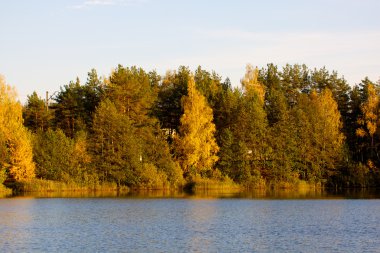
pixel 205 188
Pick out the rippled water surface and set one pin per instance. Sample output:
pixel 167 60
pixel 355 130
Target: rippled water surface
pixel 189 224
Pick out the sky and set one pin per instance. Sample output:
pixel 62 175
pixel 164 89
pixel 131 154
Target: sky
pixel 46 44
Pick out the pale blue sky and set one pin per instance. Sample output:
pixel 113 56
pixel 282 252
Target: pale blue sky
pixel 45 44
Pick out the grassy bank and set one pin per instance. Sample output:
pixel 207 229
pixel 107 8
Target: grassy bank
pixel 4 191
pixel 40 185
pixel 198 184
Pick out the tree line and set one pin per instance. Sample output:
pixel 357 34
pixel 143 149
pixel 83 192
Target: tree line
pixel 140 129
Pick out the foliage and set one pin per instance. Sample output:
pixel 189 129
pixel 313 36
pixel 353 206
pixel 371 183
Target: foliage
pixel 168 108
pixel 36 115
pixel 196 146
pixel 281 127
pixel 320 136
pixel 61 158
pixel 76 104
pixel 15 140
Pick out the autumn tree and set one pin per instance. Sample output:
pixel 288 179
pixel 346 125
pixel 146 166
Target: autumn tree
pixel 16 149
pixel 196 145
pixel 368 122
pixel 251 84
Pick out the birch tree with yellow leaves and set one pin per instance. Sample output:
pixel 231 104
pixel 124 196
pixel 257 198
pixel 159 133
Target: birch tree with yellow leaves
pixel 368 125
pixel 15 140
pixel 369 119
pixel 196 145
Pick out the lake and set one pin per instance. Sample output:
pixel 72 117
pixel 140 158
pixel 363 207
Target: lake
pixel 182 223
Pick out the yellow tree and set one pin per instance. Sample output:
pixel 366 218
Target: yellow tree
pixel 17 156
pixel 368 121
pixel 251 85
pixel 196 146
pixel 330 128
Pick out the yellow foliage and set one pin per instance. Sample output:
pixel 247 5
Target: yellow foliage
pixel 370 112
pixel 250 83
pixel 80 149
pixel 360 132
pixel 17 139
pixel 153 178
pixel 196 146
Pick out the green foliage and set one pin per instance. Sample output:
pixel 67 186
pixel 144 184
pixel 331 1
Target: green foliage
pixel 168 108
pixel 282 127
pixel 76 103
pixel 131 91
pixel 36 116
pixel 321 139
pixel 209 85
pixel 123 151
pixel 234 157
pixel 61 158
pixel 115 145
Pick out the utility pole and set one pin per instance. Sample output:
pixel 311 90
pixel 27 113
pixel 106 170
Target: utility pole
pixel 47 101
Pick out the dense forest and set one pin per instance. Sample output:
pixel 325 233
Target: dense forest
pixel 139 129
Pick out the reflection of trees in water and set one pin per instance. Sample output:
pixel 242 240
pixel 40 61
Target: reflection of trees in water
pixel 199 221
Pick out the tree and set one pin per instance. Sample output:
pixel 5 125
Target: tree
pixel 281 136
pixel 131 91
pixel 251 84
pixel 127 154
pixel 320 139
pixel 234 158
pixel 15 140
pixel 209 85
pixel 115 147
pixel 61 158
pixel 76 104
pixel 295 79
pixel 35 114
pixel 196 144
pixel 369 121
pixel 250 126
pixel 168 108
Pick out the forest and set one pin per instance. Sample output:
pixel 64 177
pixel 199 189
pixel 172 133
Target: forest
pixel 137 129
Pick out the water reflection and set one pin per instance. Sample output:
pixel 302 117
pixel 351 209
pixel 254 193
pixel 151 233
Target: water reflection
pixel 308 193
pixel 199 221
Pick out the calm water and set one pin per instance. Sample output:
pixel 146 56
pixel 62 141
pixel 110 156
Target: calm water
pixel 189 224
